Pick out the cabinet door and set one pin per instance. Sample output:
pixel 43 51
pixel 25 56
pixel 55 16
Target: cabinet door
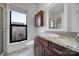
pixel 43 42
pixel 37 48
pixel 47 52
pixel 39 19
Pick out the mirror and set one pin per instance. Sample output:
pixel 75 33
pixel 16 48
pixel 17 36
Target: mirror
pixel 55 17
pixel 55 23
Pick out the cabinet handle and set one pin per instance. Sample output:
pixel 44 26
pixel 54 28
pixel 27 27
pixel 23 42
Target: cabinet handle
pixel 58 51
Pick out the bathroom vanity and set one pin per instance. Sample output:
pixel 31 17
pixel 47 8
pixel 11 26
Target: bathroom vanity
pixel 55 46
pixel 43 47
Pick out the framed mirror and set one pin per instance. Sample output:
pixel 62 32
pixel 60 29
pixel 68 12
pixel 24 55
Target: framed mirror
pixel 56 19
pixel 55 23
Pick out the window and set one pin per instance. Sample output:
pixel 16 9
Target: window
pixel 18 27
pixel 18 18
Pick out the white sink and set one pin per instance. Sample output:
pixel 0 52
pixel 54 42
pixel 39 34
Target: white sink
pixel 49 35
pixel 53 35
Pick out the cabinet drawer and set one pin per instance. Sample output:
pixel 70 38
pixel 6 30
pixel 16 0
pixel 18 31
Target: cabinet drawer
pixel 56 46
pixel 59 53
pixel 71 53
pixel 60 50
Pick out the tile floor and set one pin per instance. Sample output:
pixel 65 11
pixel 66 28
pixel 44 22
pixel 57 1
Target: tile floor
pixel 28 51
pixel 23 52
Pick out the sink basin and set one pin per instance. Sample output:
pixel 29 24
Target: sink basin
pixel 53 35
pixel 50 35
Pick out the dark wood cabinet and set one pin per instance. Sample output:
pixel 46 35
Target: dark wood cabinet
pixel 43 42
pixel 47 52
pixel 39 19
pixel 57 49
pixel 60 50
pixel 37 48
pixel 43 47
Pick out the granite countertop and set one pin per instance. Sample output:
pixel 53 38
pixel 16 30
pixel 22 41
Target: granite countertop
pixel 66 41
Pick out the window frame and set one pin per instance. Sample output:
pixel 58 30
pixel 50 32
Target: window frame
pixel 18 25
